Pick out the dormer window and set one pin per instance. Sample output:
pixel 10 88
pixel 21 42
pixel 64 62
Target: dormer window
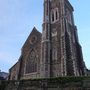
pixel 54 15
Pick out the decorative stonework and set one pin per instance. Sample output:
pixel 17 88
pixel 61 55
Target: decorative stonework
pixel 54 53
pixel 31 63
pixel 33 39
pixel 54 15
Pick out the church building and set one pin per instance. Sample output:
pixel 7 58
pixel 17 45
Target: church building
pixel 56 52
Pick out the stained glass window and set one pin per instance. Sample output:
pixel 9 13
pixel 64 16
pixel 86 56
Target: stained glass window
pixel 31 64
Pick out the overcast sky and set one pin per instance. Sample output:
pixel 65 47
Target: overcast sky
pixel 18 17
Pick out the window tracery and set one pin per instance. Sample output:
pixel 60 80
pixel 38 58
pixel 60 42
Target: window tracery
pixel 31 64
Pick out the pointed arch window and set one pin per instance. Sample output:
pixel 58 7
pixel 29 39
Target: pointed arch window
pixel 31 63
pixel 54 54
pixel 54 15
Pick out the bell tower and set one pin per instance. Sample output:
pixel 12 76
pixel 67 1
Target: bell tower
pixel 60 45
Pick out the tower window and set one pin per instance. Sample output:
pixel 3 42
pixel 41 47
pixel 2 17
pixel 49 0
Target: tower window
pixel 54 15
pixel 69 16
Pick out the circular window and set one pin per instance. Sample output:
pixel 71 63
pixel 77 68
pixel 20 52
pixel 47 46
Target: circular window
pixel 33 39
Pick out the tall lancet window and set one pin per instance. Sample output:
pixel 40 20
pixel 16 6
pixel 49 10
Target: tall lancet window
pixel 54 15
pixel 31 63
pixel 54 54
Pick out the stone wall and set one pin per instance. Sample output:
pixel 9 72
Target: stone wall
pixel 14 71
pixel 62 83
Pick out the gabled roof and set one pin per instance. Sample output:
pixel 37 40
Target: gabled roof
pixel 33 32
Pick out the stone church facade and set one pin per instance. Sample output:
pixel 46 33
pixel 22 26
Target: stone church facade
pixel 56 51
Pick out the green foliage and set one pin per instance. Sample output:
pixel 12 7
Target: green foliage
pixel 51 82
